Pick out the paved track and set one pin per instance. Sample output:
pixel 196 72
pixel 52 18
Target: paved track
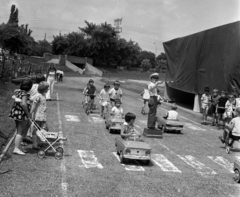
pixel 191 164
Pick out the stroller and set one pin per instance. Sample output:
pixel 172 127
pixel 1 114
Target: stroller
pixel 50 138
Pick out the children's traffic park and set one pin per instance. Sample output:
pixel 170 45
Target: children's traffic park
pixel 100 139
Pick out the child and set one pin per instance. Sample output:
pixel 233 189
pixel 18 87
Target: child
pixel 205 102
pixel 128 132
pixel 85 93
pixel 232 128
pixel 90 92
pixel 20 112
pixel 117 111
pixel 33 93
pixel 104 98
pixel 221 107
pixel 172 114
pixel 145 94
pixel 115 92
pixel 215 99
pixel 159 98
pixel 230 107
pixel 38 110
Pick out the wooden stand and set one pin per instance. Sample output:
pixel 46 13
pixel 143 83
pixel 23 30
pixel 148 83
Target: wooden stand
pixel 153 133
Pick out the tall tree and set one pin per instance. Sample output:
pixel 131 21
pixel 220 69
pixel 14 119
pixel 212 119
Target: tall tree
pixel 77 45
pixel 146 55
pixel 59 44
pixel 13 19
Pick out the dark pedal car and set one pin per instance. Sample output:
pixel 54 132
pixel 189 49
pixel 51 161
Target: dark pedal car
pixel 236 169
pixel 170 125
pixel 114 123
pixel 133 150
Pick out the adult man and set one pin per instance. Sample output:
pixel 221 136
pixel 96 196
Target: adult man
pixel 152 88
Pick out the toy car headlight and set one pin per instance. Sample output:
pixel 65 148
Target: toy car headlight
pixel 148 152
pixel 128 151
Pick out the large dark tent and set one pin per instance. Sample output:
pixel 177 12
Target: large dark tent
pixel 208 58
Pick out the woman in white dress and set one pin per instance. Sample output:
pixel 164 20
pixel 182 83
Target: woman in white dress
pixel 51 79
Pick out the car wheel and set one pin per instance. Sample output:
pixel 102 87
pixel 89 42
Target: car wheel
pixel 237 176
pixel 228 150
pixel 122 160
pixel 41 154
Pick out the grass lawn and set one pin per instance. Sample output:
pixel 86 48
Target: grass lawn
pixel 6 101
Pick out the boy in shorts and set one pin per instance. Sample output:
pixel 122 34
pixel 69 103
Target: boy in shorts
pixel 90 92
pixel 205 102
pixel 115 93
pixel 215 99
pixel 145 94
pixel 221 107
pixel 104 98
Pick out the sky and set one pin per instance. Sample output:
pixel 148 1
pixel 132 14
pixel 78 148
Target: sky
pixel 147 22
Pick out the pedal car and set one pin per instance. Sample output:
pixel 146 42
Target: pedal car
pixel 170 125
pixel 230 141
pixel 114 123
pixel 236 168
pixel 136 150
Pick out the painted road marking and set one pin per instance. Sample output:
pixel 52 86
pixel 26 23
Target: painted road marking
pixel 200 167
pixel 164 163
pixel 194 127
pixel 89 160
pixel 95 115
pixel 136 167
pixel 72 118
pixel 64 184
pixel 222 162
pixel 97 119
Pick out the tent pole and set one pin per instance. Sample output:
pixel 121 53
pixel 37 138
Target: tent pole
pixel 196 106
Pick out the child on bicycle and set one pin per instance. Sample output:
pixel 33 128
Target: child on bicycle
pixel 233 128
pixel 104 98
pixel 172 114
pixel 90 92
pixel 205 102
pixel 115 92
pixel 117 110
pixel 38 111
pixel 128 132
pixel 146 96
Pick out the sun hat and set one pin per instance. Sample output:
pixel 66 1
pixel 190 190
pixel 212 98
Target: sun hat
pixel 154 75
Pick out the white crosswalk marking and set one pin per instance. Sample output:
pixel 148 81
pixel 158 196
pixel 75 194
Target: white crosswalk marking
pixel 97 119
pixel 136 167
pixel 89 160
pixel 72 118
pixel 164 163
pixel 194 127
pixel 200 167
pixel 222 162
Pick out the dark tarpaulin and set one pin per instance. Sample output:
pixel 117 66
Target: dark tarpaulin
pixel 208 58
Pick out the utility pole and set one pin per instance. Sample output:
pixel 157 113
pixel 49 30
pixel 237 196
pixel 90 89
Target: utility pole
pixel 117 23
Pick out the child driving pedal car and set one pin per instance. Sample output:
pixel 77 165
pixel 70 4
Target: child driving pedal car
pixel 117 110
pixel 171 114
pixel 128 132
pixel 115 92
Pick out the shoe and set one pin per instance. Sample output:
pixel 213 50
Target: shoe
pixel 18 151
pixel 221 139
pixel 213 124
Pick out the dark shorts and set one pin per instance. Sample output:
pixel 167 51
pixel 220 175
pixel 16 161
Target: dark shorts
pixel 112 100
pixel 92 97
pixel 213 108
pixel 145 101
pixel 220 110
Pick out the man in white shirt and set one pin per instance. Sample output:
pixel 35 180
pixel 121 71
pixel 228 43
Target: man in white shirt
pixel 152 88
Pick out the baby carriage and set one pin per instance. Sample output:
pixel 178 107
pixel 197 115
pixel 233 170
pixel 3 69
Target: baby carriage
pixel 49 138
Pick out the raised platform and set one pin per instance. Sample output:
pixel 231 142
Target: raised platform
pixel 155 133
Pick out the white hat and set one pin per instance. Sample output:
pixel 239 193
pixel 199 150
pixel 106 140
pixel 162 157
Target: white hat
pixel 153 75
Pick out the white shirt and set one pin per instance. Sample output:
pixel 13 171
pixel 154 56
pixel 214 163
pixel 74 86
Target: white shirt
pixel 115 94
pixel 33 92
pixel 104 96
pixel 172 115
pixel 152 90
pixel 236 126
pixel 146 94
pixel 117 111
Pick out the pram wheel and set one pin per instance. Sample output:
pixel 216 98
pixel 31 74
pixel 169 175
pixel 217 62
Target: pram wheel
pixel 228 150
pixel 58 155
pixel 237 176
pixel 59 149
pixel 41 154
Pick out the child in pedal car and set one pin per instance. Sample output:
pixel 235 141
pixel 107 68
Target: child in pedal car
pixel 117 110
pixel 172 114
pixel 232 128
pixel 128 132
